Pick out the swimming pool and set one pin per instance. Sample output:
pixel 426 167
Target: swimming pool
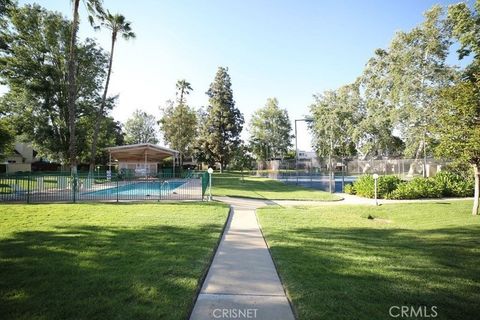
pixel 318 182
pixel 143 189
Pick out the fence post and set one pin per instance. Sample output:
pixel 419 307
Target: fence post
pixel 74 188
pixel 159 189
pixel 117 188
pixel 28 188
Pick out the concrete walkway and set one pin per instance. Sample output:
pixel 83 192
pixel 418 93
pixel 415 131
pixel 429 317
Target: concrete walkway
pixel 356 200
pixel 242 282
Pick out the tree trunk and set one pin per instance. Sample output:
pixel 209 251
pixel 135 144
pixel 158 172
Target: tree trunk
pixel 102 107
pixel 72 89
pixel 413 165
pixel 477 189
pixel 221 166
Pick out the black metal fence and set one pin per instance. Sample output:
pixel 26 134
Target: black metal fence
pixel 310 179
pixel 55 187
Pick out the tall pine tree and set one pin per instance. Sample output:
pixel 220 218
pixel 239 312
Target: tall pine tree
pixel 222 124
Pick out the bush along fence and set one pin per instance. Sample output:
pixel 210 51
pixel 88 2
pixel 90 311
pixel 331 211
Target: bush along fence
pixel 443 184
pixel 53 187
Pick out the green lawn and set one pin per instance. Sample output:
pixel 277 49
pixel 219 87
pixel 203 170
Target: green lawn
pixel 104 261
pixel 231 184
pixel 338 264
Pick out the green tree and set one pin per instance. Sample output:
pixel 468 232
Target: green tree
pixel 465 25
pixel 33 66
pixel 418 72
pixel 141 127
pixel 179 122
pixel 118 25
pixel 110 134
pixel 458 129
pixel 374 134
pixel 335 116
pixel 222 123
pixel 459 126
pixel 183 89
pixel 270 131
pixel 94 7
pixel 241 159
pixel 7 137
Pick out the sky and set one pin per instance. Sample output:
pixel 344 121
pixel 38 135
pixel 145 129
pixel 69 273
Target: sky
pixel 273 48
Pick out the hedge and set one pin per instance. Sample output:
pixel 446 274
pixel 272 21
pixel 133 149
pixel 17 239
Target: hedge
pixel 444 184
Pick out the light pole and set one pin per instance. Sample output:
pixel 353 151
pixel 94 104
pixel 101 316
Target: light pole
pixel 375 177
pixel 210 171
pixel 296 144
pixel 331 172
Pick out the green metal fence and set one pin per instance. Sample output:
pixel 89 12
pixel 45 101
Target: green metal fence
pixel 205 182
pixel 55 187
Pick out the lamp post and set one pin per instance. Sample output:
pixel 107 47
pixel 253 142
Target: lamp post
pixel 330 165
pixel 210 171
pixel 375 177
pixel 296 144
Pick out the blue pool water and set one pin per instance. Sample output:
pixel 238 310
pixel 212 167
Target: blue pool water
pixel 318 182
pixel 140 189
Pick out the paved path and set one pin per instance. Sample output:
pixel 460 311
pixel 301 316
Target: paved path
pixel 347 199
pixel 242 282
pixel 356 200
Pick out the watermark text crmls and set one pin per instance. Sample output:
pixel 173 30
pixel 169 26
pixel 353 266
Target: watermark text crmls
pixel 413 311
pixel 235 313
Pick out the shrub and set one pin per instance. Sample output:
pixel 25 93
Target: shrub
pixel 416 189
pixel 365 186
pixel 444 184
pixel 403 191
pixel 349 189
pixel 454 185
pixel 386 184
pixel 446 180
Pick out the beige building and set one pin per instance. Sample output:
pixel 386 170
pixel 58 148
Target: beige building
pixel 140 159
pixel 22 158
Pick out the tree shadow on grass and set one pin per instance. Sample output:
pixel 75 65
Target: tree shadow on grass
pixel 359 273
pixel 89 272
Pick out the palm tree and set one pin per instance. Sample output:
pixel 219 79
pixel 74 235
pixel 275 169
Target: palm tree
pixel 183 88
pixel 93 6
pixel 117 24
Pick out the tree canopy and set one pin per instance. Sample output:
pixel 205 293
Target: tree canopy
pixel 141 127
pixel 270 131
pixel 222 124
pixel 179 122
pixel 33 65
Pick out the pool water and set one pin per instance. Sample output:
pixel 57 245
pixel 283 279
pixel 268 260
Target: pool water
pixel 318 182
pixel 141 189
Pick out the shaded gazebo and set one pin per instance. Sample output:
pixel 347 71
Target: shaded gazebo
pixel 142 158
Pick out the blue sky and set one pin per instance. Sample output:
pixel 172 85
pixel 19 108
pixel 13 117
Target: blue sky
pixel 284 49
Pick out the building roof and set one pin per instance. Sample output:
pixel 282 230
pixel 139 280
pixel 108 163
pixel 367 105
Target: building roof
pixel 138 152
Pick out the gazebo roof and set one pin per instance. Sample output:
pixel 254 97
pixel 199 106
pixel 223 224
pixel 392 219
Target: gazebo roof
pixel 138 152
